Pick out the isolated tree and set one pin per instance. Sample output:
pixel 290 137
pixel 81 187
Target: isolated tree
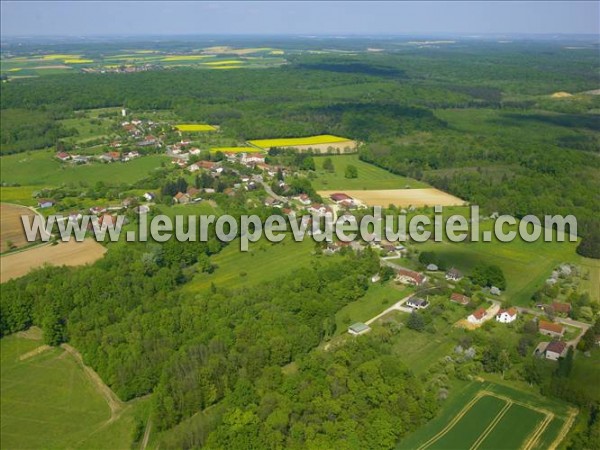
pixel 351 171
pixel 328 165
pixel 415 322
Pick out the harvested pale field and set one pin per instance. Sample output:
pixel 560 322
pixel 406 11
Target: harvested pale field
pixel 333 147
pixel 401 197
pixel 11 227
pixel 561 95
pixel 53 66
pixel 70 253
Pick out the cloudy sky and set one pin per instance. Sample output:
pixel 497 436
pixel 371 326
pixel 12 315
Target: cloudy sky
pixel 92 18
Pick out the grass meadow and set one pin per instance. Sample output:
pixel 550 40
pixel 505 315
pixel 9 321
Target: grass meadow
pixel 369 176
pixel 263 262
pixel 49 393
pixel 40 168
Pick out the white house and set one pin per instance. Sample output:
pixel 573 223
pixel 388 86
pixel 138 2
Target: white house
pixel 507 315
pixel 477 316
pixel 417 303
pixel 453 275
pixel 252 158
pixel 555 350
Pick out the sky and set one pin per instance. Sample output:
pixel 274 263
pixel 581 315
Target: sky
pixel 105 18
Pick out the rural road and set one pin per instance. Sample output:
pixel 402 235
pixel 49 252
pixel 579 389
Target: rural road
pixel 398 306
pixel 273 194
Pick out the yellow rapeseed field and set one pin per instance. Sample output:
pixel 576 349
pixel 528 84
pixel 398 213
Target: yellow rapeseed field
pixel 185 57
pixel 291 142
pixel 78 61
pixel 195 127
pixel 59 56
pixel 223 63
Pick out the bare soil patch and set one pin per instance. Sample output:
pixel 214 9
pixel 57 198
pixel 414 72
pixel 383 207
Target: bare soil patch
pixel 11 227
pixel 34 352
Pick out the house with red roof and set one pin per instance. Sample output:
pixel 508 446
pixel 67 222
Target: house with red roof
pixel 477 316
pixel 561 308
pixel 551 329
pixel 340 197
pixel 460 299
pixel 406 276
pixel 506 315
pixel 63 156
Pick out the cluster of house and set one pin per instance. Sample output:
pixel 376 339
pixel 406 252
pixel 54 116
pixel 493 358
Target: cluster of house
pixel 556 348
pixel 191 195
pixel 108 157
pixel 74 159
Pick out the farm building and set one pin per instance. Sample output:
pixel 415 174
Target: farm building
pixel 63 156
pixel 252 158
pixel 432 267
pixel 460 298
pixel 358 328
pixel 417 303
pixel 477 316
pixel 406 276
pixel 551 328
pixel 339 197
pixel 507 315
pixel 45 203
pixel 454 275
pixel 561 308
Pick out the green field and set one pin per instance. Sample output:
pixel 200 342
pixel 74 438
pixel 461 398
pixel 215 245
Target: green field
pixel 525 265
pixel 40 168
pixel 51 394
pixel 369 176
pixel 263 262
pixel 489 416
pixel 377 299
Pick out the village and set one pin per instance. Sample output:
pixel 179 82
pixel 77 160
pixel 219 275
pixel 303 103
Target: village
pixel 204 174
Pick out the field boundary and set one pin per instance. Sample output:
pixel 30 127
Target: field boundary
pixel 565 428
pixel 114 403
